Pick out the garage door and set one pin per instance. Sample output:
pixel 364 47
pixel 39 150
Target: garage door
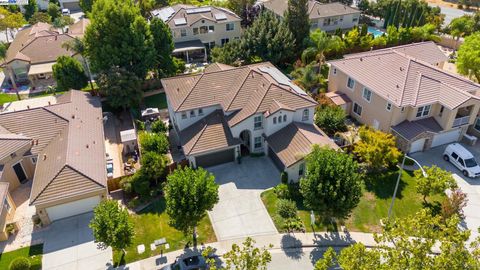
pixel 417 146
pixel 73 6
pixel 216 158
pixel 278 163
pixel 447 137
pixel 73 208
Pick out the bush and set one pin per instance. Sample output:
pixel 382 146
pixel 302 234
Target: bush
pixel 282 191
pixel 294 224
pixel 159 126
pixel 154 142
pixel 286 208
pixel 454 204
pixel 140 125
pixel 284 177
pixel 20 263
pixel 331 119
pixel 294 191
pixel 126 184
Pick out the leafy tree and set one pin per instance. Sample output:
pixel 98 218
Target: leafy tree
pixel 189 194
pixel 331 119
pixel 154 142
pixel 119 36
pixel 86 5
pixel 468 59
pixel 461 26
pixel 54 11
pixel 376 148
pixel 77 46
pixel 286 208
pixel 69 74
pixel 163 43
pixel 111 225
pixel 409 243
pixel 321 44
pixel 331 185
pixel 454 204
pixel 20 263
pixel 30 9
pixel 247 257
pixel 436 181
pixel 121 87
pixel 154 166
pixel 39 17
pixel 363 5
pixel 231 53
pixel 63 21
pixel 10 20
pixel 3 50
pixel 159 126
pixel 297 20
pixel 241 7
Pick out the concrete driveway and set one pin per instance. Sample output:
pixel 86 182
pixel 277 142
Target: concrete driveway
pixel 240 211
pixel 69 245
pixel 469 186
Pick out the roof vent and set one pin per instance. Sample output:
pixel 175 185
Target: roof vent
pixel 73 116
pixel 178 89
pixel 28 107
pixel 49 103
pixel 398 86
pixel 401 68
pixel 44 156
pixel 361 59
pixel 87 146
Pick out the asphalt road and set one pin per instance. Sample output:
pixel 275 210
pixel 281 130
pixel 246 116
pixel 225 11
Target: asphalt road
pixel 450 13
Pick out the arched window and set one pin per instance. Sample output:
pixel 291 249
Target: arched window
pixel 306 115
pixel 284 118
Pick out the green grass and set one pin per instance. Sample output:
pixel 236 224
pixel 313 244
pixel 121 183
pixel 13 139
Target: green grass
pixel 34 253
pixel 373 206
pixel 156 101
pixel 152 224
pixel 5 98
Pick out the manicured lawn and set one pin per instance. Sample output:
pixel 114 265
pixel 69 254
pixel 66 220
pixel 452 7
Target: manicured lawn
pixel 152 224
pixel 156 101
pixel 373 206
pixel 34 253
pixel 5 98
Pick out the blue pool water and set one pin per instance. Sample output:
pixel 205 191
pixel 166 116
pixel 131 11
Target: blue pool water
pixel 375 32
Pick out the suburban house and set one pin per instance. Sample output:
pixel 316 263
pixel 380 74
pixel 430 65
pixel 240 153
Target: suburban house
pixel 226 112
pixel 196 30
pixel 403 90
pixel 34 51
pixel 72 5
pixel 55 145
pixel 325 16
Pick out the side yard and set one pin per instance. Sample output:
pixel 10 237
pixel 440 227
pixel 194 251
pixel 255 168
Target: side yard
pixel 33 253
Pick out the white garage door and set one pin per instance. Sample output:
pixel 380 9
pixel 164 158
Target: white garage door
pixel 417 146
pixel 72 208
pixel 447 137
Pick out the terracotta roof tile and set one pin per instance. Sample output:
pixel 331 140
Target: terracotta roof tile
pixel 315 9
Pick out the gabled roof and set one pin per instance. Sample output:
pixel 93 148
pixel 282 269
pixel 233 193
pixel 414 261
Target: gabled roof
pixel 10 143
pixel 407 81
pixel 293 142
pixel 315 9
pixel 411 129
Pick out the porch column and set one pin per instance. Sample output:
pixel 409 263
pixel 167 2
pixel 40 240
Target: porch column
pixel 205 57
pixel 187 56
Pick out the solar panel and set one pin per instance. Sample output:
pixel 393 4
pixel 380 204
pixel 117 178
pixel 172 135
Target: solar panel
pixel 278 76
pixel 180 21
pixel 220 16
pixel 198 10
pixel 164 14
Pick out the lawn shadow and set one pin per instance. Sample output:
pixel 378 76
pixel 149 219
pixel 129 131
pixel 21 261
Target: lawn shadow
pixel 157 207
pixel 290 245
pixel 435 207
pixel 383 185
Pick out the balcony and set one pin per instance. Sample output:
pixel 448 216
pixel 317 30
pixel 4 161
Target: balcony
pixel 461 121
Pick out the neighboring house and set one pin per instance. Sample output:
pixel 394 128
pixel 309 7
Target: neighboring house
pixel 227 112
pixel 196 30
pixel 58 143
pixel 72 5
pixel 402 90
pixel 35 50
pixel 327 17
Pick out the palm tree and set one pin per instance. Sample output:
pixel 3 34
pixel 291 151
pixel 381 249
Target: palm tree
pixel 77 46
pixel 322 43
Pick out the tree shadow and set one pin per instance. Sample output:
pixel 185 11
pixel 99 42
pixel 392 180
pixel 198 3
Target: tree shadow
pixel 157 207
pixel 291 247
pixel 435 207
pixel 383 184
pixel 335 240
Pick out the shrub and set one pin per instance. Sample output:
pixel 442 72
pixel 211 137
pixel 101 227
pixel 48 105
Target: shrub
pixel 155 142
pixel 126 184
pixel 286 208
pixel 331 119
pixel 284 177
pixel 140 125
pixel 294 191
pixel 454 204
pixel 159 126
pixel 282 191
pixel 20 263
pixel 293 224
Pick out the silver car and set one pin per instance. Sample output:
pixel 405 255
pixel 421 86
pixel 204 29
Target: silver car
pixel 188 263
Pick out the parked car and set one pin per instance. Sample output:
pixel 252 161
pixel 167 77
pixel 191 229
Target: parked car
pixel 462 159
pixel 65 11
pixel 189 263
pixel 109 168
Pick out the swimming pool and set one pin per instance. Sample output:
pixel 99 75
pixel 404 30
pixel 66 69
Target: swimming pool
pixel 375 32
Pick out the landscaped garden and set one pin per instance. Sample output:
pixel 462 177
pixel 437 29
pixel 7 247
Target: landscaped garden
pixel 33 253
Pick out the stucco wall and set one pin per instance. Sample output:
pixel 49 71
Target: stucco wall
pixel 9 174
pixel 184 123
pixel 345 23
pixel 271 128
pixel 220 32
pixel 292 171
pixel 248 124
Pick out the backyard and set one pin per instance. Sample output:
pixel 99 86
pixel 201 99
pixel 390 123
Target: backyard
pixel 156 101
pixel 34 253
pixel 152 224
pixel 373 206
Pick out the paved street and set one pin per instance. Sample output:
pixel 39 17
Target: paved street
pixel 240 211
pixel 296 258
pixel 450 13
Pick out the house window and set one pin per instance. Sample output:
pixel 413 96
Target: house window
pixel 367 94
pixel 211 29
pixel 306 115
pixel 195 31
pixel 230 26
pixel 326 22
pixel 192 113
pixel 441 111
pixel 34 160
pixel 314 24
pixel 225 41
pixel 477 124
pixel 183 32
pixel 274 120
pixel 257 122
pixel 212 44
pixel 389 106
pixel 355 20
pixel 423 111
pixel 301 169
pixel 280 119
pixel 184 115
pixel 334 71
pixel 203 29
pixel 200 111
pixel 350 83
pixel 7 205
pixel 258 142
pixel 357 109
pixel 284 118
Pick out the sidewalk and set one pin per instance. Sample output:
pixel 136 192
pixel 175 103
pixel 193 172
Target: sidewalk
pixel 279 241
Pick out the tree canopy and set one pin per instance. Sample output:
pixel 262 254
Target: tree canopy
pixel 30 9
pixel 435 181
pixel 331 119
pixel 121 88
pixel 86 6
pixel 69 74
pixel 163 43
pixel 468 60
pixel 298 22
pixel 10 20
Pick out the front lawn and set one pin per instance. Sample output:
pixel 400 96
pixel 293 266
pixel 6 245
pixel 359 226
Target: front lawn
pixel 156 101
pixel 373 206
pixel 152 224
pixel 5 98
pixel 34 253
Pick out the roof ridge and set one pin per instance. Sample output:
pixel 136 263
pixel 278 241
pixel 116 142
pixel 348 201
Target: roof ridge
pixel 295 93
pixel 190 92
pixel 200 134
pixel 400 102
pixel 417 88
pixel 45 187
pixel 240 87
pixel 257 105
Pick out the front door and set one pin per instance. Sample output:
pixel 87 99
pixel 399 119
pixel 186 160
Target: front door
pixel 20 173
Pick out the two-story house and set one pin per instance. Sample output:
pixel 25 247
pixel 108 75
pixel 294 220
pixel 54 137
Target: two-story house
pixel 402 90
pixel 196 30
pixel 325 16
pixel 227 112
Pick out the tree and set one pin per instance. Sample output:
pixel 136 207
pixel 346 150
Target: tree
pixel 54 11
pixel 20 263
pixel 121 87
pixel 331 185
pixel 86 6
pixel 62 21
pixel 189 194
pixel 453 204
pixel 154 166
pixel 308 78
pixel 298 22
pixel 39 17
pixel 241 7
pixel 321 43
pixel 376 148
pixel 30 9
pixel 331 119
pixel 111 225
pixel 247 257
pixel 231 53
pixel 154 142
pixel 364 5
pixel 10 20
pixel 461 26
pixel 163 43
pixel 409 243
pixel 77 46
pixel 119 36
pixel 158 126
pixel 3 50
pixel 435 181
pixel 468 59
pixel 69 74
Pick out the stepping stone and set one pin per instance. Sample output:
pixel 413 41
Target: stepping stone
pixel 141 248
pixel 167 246
pixel 152 246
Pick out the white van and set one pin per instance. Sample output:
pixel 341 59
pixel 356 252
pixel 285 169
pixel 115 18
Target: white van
pixel 462 159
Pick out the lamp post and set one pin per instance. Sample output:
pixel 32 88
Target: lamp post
pixel 398 180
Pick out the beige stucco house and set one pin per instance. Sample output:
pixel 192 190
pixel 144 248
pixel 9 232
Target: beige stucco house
pixel 403 90
pixel 196 30
pixel 58 144
pixel 227 112
pixel 325 16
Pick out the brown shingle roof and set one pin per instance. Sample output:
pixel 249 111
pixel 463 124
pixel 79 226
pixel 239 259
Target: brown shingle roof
pixel 10 143
pixel 293 142
pixel 78 29
pixel 410 130
pixel 338 98
pixel 209 134
pixel 315 9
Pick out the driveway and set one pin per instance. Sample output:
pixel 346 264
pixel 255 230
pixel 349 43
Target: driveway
pixel 469 186
pixel 69 245
pixel 240 211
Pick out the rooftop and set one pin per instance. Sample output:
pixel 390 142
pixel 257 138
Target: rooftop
pixel 315 9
